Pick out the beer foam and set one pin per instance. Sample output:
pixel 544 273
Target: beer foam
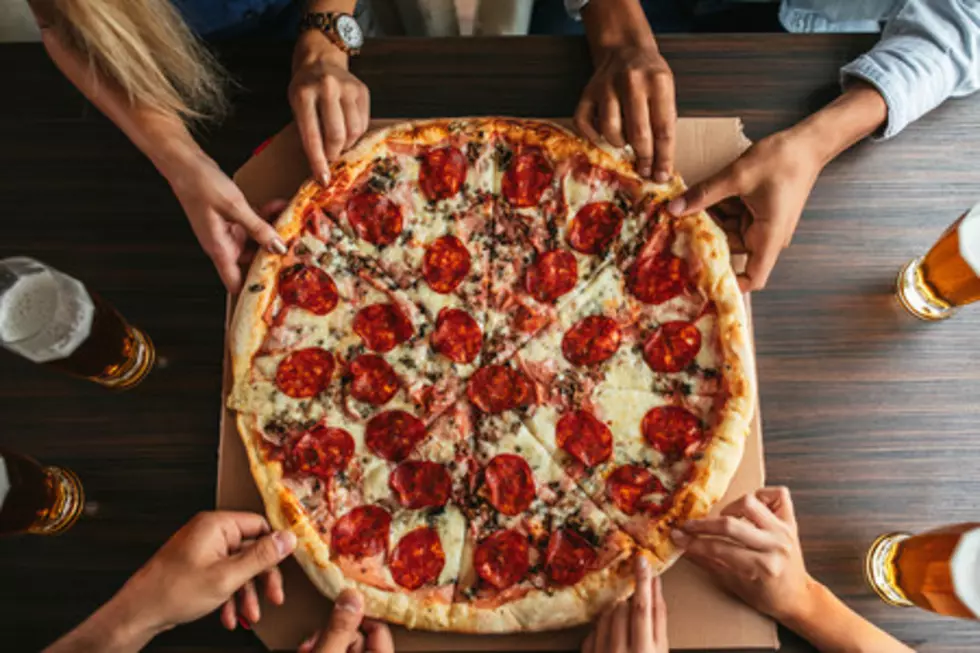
pixel 45 315
pixel 4 482
pixel 969 237
pixel 964 567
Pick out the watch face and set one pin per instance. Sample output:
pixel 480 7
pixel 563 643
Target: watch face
pixel 350 32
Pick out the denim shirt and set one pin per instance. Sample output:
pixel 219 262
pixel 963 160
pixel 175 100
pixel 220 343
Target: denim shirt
pixel 929 49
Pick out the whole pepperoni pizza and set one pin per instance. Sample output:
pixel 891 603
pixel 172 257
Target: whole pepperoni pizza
pixel 489 371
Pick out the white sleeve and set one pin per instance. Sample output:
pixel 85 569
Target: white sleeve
pixel 574 8
pixel 928 52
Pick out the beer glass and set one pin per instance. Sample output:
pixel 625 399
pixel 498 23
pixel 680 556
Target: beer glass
pixel 933 286
pixel 51 318
pixel 37 499
pixel 938 570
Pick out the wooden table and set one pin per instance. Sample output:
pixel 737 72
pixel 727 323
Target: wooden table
pixel 870 417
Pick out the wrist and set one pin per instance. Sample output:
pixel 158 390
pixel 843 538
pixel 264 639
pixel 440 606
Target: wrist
pixel 313 45
pixel 616 24
pixel 126 623
pixel 806 608
pixel 858 113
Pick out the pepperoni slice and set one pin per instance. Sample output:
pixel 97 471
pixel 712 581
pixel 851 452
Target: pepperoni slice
pixel 322 451
pixel 442 173
pixel 374 217
pixel 375 382
pixel 527 177
pixel 382 327
pixel 393 434
pixel 502 558
pixel 417 559
pixel 421 484
pixel 308 288
pixel 594 227
pixel 672 430
pixel 657 279
pixel 496 388
pixel 591 340
pixel 361 533
pixel 552 275
pixel 510 482
pixel 672 347
pixel 628 487
pixel 457 336
pixel 445 264
pixel 305 372
pixel 584 437
pixel 568 557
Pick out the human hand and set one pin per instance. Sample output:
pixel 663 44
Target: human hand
pixel 349 631
pixel 774 179
pixel 636 625
pixel 630 99
pixel 203 566
pixel 332 107
pixel 221 217
pixel 753 551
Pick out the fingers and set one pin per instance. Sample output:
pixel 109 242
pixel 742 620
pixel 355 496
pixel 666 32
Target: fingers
pixel 304 105
pixel 248 603
pixel 659 616
pixel 603 631
pixel 638 131
pixel 663 115
pixel 345 620
pixel 584 118
pixel 238 210
pixel 273 208
pixel 244 525
pixel 352 120
pixel 611 121
pixel 708 193
pixel 229 614
pixel 779 501
pixel 357 646
pixel 734 556
pixel 736 529
pixel 377 637
pixel 619 636
pixel 754 510
pixel 588 646
pixel 333 125
pixel 642 623
pixel 266 553
pixel 273 586
pixel 764 248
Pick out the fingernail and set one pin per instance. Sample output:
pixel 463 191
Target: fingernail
pixel 662 177
pixel 349 601
pixel 325 178
pixel 285 542
pixel 644 171
pixel 243 622
pixel 677 205
pixel 680 538
pixel 278 247
pixel 642 562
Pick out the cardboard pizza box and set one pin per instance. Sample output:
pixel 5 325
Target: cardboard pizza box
pixel 701 616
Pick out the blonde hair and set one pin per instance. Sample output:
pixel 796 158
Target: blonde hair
pixel 146 48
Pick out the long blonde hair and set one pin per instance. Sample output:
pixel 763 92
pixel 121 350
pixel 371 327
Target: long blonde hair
pixel 146 48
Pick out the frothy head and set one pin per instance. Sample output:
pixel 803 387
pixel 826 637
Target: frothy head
pixel 27 305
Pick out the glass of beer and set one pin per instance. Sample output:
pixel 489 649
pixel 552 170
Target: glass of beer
pixel 933 286
pixel 37 499
pixel 51 318
pixel 938 570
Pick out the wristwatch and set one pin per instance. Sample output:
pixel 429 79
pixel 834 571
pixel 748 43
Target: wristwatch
pixel 342 29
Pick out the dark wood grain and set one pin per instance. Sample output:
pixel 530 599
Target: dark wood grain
pixel 870 417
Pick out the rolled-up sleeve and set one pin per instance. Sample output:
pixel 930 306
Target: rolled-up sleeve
pixel 929 51
pixel 575 7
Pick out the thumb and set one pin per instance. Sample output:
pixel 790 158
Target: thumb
pixel 265 554
pixel 702 195
pixel 345 621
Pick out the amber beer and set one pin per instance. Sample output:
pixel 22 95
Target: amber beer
pixel 37 499
pixel 932 287
pixel 938 570
pixel 51 318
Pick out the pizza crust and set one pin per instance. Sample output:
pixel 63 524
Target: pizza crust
pixel 536 610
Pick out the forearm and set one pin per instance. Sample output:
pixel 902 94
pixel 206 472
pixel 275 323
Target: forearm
pixel 830 625
pixel 855 115
pixel 117 627
pixel 163 138
pixel 614 24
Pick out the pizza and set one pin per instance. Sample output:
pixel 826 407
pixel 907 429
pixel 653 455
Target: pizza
pixel 489 371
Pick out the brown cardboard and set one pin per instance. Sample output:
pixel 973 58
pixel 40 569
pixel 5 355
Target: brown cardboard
pixel 701 615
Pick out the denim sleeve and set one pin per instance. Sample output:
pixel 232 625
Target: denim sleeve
pixel 929 51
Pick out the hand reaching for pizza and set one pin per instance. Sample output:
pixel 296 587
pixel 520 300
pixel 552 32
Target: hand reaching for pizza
pixel 774 179
pixel 753 550
pixel 636 625
pixel 221 217
pixel 204 565
pixel 348 630
pixel 332 107
pixel 630 99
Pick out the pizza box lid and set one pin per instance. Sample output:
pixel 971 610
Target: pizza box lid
pixel 701 615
